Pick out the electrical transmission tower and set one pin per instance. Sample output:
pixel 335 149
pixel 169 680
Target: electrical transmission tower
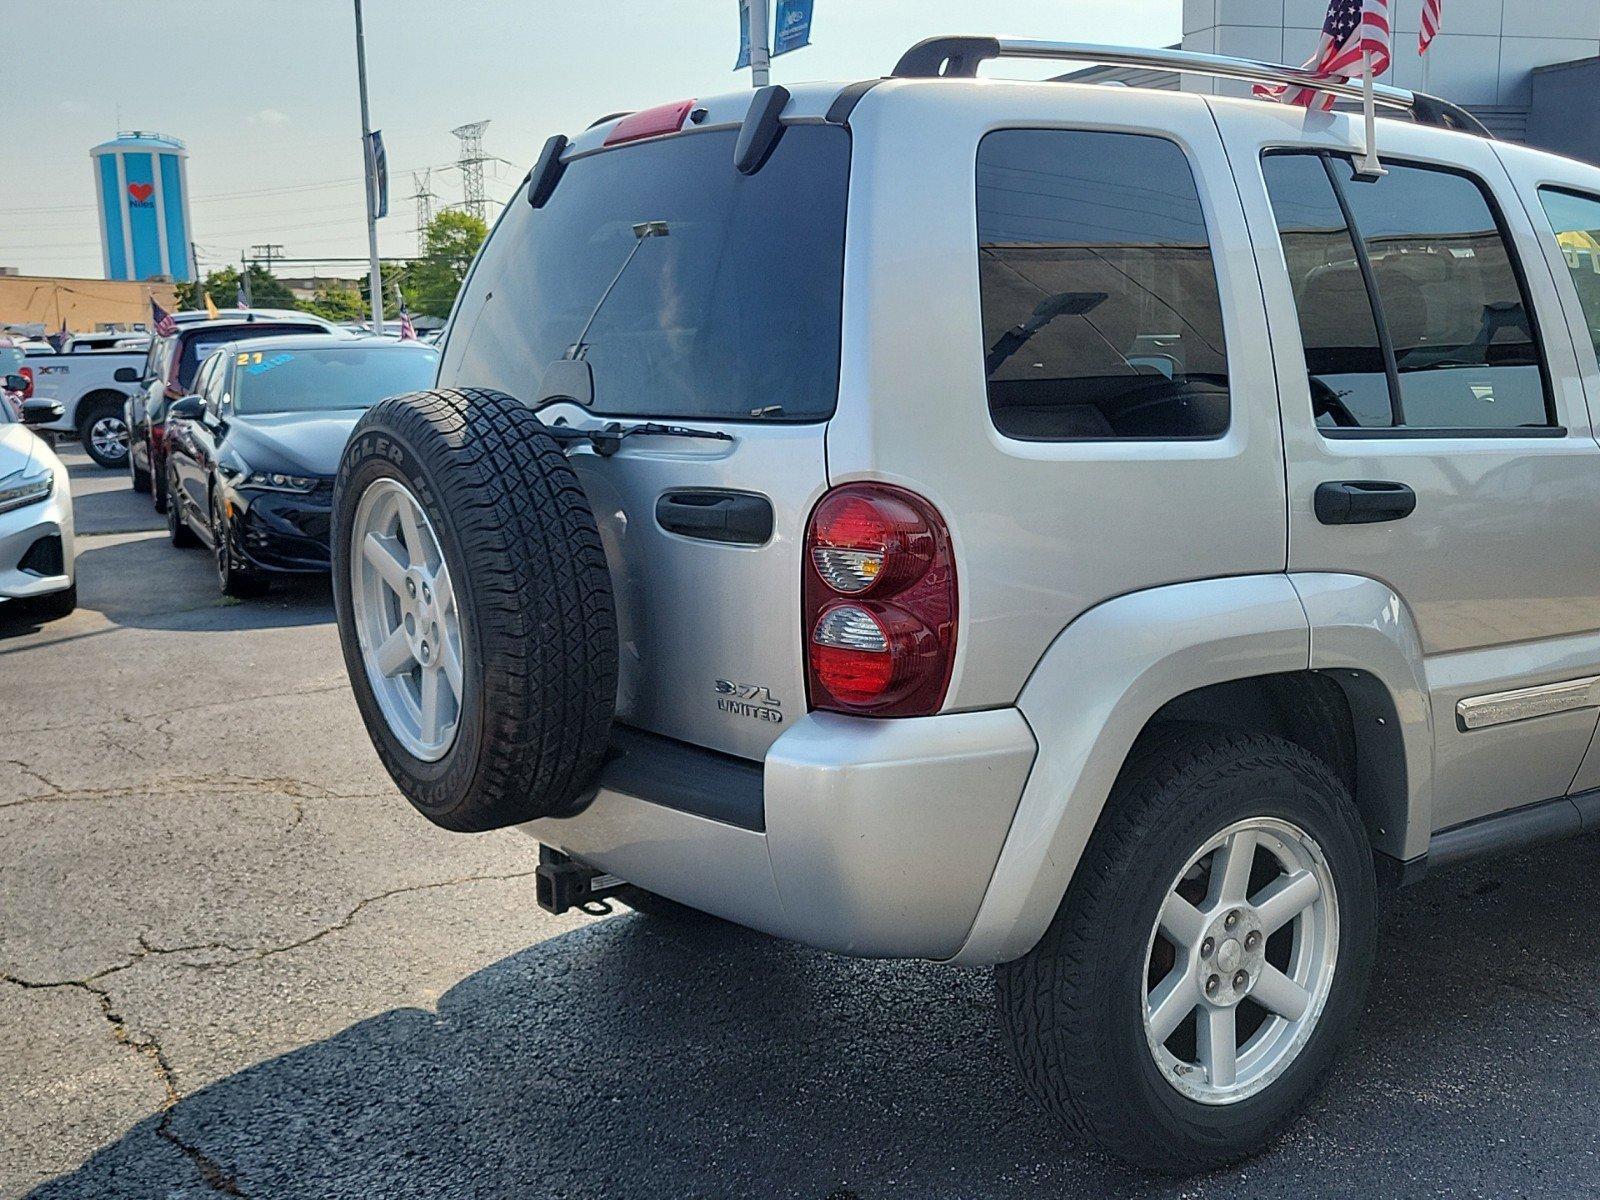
pixel 423 195
pixel 471 164
pixel 264 253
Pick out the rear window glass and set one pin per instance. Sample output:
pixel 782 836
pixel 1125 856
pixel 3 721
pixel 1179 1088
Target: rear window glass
pixel 727 308
pixel 308 380
pixel 198 346
pixel 1101 317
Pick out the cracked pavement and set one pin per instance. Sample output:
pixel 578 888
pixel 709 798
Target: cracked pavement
pixel 233 962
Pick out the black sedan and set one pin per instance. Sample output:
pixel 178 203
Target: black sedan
pixel 252 453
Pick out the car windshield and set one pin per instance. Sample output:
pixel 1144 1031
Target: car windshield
pixel 198 348
pixel 267 381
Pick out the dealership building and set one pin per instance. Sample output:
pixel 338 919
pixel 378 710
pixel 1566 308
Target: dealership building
pixel 1529 69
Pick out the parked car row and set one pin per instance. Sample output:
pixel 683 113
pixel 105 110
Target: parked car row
pixel 247 456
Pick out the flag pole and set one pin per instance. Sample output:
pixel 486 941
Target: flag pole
pixel 375 283
pixel 760 43
pixel 1369 167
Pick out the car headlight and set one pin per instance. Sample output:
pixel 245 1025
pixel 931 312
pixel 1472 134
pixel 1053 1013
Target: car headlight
pixel 30 489
pixel 273 481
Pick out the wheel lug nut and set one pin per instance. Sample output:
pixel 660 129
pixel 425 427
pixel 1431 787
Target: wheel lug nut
pixel 1231 919
pixel 1212 985
pixel 411 587
pixel 1252 939
pixel 1207 946
pixel 1240 978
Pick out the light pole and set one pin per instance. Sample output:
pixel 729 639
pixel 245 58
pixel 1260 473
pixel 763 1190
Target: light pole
pixel 376 279
pixel 760 24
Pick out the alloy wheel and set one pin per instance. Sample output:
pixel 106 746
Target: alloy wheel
pixel 407 619
pixel 1240 962
pixel 108 436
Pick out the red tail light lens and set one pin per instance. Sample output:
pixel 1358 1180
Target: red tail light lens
pixel 880 603
pixel 27 388
pixel 649 122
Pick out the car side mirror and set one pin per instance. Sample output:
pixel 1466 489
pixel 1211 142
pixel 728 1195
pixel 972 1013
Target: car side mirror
pixel 42 411
pixel 16 383
pixel 126 375
pixel 190 408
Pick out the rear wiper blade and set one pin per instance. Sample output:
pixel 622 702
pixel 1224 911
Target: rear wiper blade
pixel 608 441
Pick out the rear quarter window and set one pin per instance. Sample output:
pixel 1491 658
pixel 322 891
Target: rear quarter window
pixel 1101 314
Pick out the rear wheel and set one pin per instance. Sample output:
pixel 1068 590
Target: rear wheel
pixel 104 433
pixel 1210 958
pixel 474 607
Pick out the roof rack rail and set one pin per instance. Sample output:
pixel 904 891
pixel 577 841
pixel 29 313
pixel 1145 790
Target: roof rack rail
pixel 959 57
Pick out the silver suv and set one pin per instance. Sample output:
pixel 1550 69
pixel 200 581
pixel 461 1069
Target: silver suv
pixel 1090 532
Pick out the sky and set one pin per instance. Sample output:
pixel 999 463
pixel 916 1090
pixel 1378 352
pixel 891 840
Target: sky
pixel 263 92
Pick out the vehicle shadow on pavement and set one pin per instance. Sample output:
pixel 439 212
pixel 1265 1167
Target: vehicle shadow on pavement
pixel 645 1057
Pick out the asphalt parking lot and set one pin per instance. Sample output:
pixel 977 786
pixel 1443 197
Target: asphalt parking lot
pixel 234 962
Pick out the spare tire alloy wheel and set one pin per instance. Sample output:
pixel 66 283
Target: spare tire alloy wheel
pixel 1209 949
pixel 474 607
pixel 406 618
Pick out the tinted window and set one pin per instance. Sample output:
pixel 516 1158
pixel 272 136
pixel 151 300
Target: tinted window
pixel 1344 357
pixel 1576 221
pixel 1101 317
pixel 197 347
pixel 732 314
pixel 346 377
pixel 1456 323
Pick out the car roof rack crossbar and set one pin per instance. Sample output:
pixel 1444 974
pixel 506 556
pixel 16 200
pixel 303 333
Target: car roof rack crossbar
pixel 960 57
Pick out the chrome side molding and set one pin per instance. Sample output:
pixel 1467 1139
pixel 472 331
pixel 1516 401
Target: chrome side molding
pixel 1500 708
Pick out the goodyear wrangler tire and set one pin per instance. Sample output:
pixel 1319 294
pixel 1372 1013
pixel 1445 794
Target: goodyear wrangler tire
pixel 474 608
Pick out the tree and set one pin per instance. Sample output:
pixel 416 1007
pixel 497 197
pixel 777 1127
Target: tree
pixel 448 247
pixel 394 276
pixel 266 290
pixel 338 304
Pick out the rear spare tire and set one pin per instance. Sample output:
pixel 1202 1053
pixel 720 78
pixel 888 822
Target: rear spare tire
pixel 474 608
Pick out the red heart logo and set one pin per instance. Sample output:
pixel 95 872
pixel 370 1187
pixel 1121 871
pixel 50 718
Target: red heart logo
pixel 141 191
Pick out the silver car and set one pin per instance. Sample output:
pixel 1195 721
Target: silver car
pixel 1108 535
pixel 38 577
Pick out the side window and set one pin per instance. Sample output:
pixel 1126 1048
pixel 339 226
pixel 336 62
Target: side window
pixel 1101 316
pixel 1576 221
pixel 1455 330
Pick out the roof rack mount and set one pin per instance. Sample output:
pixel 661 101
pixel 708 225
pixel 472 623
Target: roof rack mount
pixel 959 57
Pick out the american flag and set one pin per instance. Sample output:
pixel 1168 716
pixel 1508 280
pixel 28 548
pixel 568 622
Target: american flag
pixel 408 331
pixel 161 320
pixel 61 337
pixel 1429 27
pixel 1353 30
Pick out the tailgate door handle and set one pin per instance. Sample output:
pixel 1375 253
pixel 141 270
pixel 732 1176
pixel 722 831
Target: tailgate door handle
pixel 741 518
pixel 1363 502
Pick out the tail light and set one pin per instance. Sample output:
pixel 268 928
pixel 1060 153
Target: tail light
pixel 879 602
pixel 27 387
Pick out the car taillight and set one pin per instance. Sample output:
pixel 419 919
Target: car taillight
pixel 27 388
pixel 879 599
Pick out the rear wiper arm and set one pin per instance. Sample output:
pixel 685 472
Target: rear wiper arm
pixel 608 441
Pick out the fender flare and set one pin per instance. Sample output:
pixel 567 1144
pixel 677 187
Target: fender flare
pixel 1112 669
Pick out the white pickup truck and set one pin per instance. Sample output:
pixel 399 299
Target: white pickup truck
pixel 90 385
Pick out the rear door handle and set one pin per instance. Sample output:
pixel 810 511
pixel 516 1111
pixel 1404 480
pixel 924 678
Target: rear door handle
pixel 715 516
pixel 1363 501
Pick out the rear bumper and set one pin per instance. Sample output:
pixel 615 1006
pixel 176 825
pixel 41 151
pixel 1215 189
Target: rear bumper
pixel 874 837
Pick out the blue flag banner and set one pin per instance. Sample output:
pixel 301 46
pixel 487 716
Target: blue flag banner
pixel 744 36
pixel 793 26
pixel 378 173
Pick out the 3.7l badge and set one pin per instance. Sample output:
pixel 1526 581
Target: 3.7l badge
pixel 748 700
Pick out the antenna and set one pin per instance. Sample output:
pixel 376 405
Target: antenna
pixel 471 164
pixel 422 181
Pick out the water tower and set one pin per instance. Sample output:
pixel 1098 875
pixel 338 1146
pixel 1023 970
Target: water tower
pixel 142 182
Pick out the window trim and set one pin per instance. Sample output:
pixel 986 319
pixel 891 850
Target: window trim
pixel 1222 307
pixel 1575 193
pixel 1553 428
